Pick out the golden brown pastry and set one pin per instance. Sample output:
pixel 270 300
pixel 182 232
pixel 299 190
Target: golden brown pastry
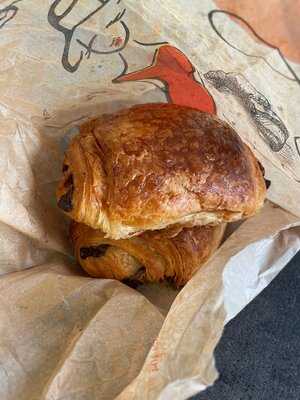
pixel 158 165
pixel 173 254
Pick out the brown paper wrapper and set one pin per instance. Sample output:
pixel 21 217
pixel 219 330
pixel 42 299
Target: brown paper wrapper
pixel 65 335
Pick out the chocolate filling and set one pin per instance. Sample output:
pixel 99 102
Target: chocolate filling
pixel 261 168
pixel 69 181
pixel 268 183
pixel 93 251
pixel 65 168
pixel 134 280
pixel 65 202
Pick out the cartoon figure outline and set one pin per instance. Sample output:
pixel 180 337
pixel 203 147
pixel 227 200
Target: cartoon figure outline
pixel 177 74
pixel 8 13
pixel 199 96
pixel 211 16
pixel 54 20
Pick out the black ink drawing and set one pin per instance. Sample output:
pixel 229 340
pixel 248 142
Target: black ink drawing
pixel 269 125
pixel 7 13
pixel 219 30
pixel 258 107
pixel 297 144
pixel 169 66
pixel 90 46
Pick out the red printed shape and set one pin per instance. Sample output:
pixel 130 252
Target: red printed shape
pixel 175 70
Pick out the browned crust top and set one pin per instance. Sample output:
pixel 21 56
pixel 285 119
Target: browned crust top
pixel 161 162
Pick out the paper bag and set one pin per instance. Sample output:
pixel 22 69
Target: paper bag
pixel 65 335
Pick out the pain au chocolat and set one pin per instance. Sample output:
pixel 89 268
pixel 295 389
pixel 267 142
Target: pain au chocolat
pixel 172 254
pixel 158 165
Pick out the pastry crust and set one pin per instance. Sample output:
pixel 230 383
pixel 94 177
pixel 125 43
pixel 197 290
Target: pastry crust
pixel 173 254
pixel 157 165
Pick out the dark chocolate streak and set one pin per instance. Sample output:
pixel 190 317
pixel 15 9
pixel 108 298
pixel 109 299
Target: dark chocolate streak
pixel 268 183
pixel 261 168
pixel 93 251
pixel 134 280
pixel 65 202
pixel 69 182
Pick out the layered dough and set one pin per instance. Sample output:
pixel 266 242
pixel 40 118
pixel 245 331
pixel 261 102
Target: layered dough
pixel 156 166
pixel 174 254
